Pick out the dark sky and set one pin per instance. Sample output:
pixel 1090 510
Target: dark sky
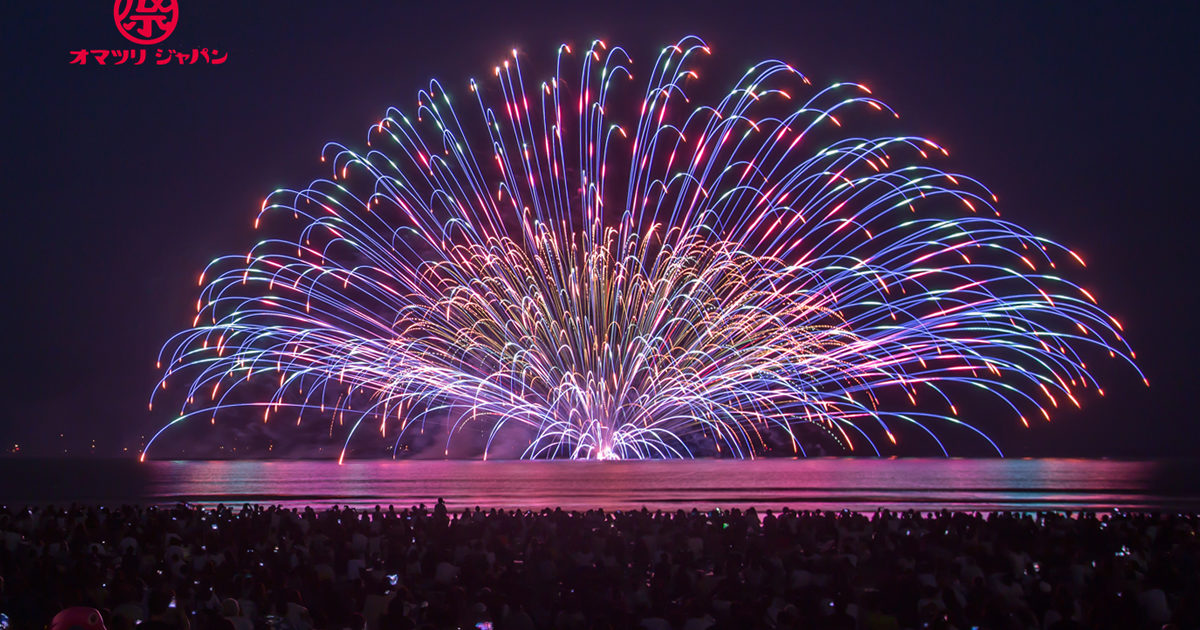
pixel 120 183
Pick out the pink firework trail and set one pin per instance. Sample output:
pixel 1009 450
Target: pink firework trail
pixel 755 268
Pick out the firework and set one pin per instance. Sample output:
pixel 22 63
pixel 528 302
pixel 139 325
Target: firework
pixel 595 277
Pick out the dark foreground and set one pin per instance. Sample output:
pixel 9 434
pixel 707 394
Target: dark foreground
pixel 427 568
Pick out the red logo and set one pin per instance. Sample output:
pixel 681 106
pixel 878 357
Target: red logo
pixel 146 21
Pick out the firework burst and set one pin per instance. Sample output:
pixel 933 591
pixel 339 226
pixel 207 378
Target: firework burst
pixel 677 279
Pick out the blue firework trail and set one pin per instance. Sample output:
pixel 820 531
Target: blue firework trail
pixel 746 268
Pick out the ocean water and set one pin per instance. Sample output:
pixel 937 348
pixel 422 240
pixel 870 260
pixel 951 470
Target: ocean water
pixel 815 483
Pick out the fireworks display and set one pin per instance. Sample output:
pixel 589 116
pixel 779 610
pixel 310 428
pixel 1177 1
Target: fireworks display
pixel 563 266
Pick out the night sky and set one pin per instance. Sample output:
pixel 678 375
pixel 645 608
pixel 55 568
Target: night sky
pixel 122 182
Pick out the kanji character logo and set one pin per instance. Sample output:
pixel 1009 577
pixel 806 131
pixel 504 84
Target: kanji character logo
pixel 146 21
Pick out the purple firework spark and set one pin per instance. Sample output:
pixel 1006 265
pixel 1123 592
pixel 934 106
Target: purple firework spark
pixel 754 268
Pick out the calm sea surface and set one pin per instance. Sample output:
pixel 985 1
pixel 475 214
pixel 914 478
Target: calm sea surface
pixel 816 483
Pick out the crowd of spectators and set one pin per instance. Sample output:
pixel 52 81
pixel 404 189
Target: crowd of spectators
pixel 256 567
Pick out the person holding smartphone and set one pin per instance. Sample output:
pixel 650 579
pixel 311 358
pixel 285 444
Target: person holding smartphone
pixel 162 613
